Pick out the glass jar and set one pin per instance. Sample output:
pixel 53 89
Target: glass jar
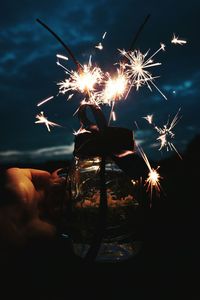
pixel 124 211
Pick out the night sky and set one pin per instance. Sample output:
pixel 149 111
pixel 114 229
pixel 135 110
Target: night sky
pixel 28 70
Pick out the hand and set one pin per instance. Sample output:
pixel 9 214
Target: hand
pixel 23 216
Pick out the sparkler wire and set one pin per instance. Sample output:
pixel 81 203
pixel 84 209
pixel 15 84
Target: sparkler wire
pixel 138 32
pixel 61 42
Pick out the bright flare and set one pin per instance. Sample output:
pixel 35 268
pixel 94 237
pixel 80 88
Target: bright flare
pixel 115 88
pixel 176 40
pixel 137 68
pixel 42 119
pixel 153 180
pixel 83 80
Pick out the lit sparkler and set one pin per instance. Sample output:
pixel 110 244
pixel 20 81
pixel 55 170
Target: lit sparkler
pixel 83 80
pixel 104 35
pixel 137 68
pixel 115 88
pixel 99 46
pixel 153 180
pixel 176 40
pixel 42 119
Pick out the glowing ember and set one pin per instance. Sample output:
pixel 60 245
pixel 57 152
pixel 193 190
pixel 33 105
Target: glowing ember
pixel 115 88
pixel 45 100
pixel 176 40
pixel 99 46
pixel 42 119
pixel 153 180
pixel 98 87
pixel 149 119
pixel 83 80
pixel 165 133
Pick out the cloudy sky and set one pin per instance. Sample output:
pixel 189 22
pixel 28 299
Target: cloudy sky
pixel 28 70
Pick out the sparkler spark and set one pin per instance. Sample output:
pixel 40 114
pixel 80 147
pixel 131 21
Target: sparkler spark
pixel 99 46
pixel 42 119
pixel 62 56
pixel 104 35
pixel 45 100
pixel 166 134
pixel 153 180
pixel 83 80
pixel 137 68
pixel 115 87
pixel 175 40
pixel 149 119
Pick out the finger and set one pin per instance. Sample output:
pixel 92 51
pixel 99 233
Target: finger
pixel 40 178
pixel 17 184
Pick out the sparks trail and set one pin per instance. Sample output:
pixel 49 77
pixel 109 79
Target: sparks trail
pixel 42 119
pixel 175 40
pixel 165 133
pixel 61 42
pixel 137 67
pixel 153 180
pixel 85 82
pixel 149 119
pixel 45 100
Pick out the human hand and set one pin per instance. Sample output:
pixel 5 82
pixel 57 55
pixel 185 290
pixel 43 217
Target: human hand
pixel 23 216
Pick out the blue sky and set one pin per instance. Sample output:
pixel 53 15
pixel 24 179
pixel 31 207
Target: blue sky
pixel 28 70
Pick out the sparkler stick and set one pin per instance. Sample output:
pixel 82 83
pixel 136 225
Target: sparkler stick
pixel 139 32
pixel 61 42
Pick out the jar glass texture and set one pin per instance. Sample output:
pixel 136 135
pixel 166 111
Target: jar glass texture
pixel 125 210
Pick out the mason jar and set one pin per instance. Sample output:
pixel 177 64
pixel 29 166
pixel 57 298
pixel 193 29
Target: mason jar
pixel 119 236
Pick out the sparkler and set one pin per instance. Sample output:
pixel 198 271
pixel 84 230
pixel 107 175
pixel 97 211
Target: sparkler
pixel 153 180
pixel 42 119
pixel 100 46
pixel 115 88
pixel 149 119
pixel 83 81
pixel 137 68
pixel 62 56
pixel 176 40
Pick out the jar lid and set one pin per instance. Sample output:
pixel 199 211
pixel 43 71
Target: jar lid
pixel 109 141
